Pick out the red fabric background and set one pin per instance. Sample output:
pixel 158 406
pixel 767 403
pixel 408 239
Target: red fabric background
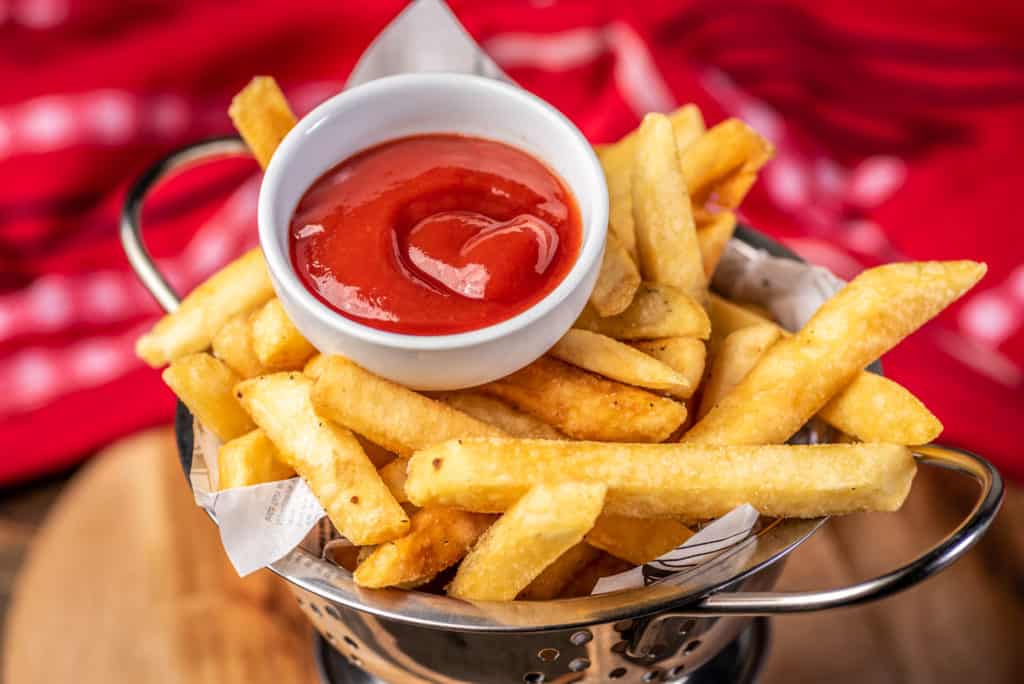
pixel 898 128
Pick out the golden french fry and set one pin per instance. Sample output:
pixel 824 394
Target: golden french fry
pixel 278 344
pixel 233 345
pixel 584 582
pixel 327 456
pixel 240 286
pixel 872 408
pixel 542 525
pixel 656 311
pixel 687 126
pixel 800 374
pixel 499 414
pixel 206 385
pixel 666 237
pixel 262 115
pixel 617 361
pixel 386 413
pixel 248 460
pixel 438 538
pixel 584 406
pixel 637 540
pixel 685 355
pixel 315 366
pixel 724 162
pixel 683 481
pixel 378 455
pixel 617 282
pixel 393 474
pixel 712 237
pixel 553 580
pixel 740 352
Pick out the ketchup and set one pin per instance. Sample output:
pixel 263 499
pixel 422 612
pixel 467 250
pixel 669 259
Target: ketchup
pixel 435 234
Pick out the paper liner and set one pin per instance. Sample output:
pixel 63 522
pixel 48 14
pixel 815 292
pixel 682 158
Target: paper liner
pixel 262 523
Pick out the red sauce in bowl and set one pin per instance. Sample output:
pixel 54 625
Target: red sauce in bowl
pixel 435 234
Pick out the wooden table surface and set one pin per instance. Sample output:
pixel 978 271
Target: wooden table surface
pixel 144 593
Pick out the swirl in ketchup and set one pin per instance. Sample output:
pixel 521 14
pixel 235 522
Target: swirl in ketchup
pixel 435 234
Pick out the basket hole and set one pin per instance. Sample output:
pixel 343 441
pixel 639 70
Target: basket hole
pixel 351 642
pixel 620 647
pixel 691 647
pixel 622 626
pixel 299 601
pixel 333 612
pixel 676 671
pixel 548 655
pixel 651 676
pixel 533 678
pixel 579 664
pixel 581 637
pixel 315 608
pixel 617 673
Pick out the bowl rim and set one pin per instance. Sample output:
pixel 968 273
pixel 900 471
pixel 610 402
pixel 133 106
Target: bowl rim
pixel 590 251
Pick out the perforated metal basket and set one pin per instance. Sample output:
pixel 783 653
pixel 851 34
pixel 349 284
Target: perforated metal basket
pixel 661 632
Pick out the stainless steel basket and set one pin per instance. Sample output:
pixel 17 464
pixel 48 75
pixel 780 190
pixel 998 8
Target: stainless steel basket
pixel 661 632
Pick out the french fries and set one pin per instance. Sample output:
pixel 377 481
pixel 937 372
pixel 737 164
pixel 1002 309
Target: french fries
pixel 386 413
pixel 277 342
pixel 393 475
pixel 687 126
pixel 327 456
pixel 248 460
pixel 800 374
pixel 542 525
pixel 438 538
pixel 617 361
pixel 262 115
pixel 656 311
pixel 637 540
pixel 584 406
pixel 554 579
pixel 499 414
pixel 604 565
pixel 240 286
pixel 712 238
pixel 724 162
pixel 666 237
pixel 740 352
pixel 617 281
pixel 233 345
pixel 685 355
pixel 205 385
pixel 683 481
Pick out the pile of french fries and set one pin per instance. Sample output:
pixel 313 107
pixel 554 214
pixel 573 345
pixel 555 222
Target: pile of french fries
pixel 663 407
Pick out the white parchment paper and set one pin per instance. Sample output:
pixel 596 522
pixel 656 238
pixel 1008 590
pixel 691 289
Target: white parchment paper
pixel 262 523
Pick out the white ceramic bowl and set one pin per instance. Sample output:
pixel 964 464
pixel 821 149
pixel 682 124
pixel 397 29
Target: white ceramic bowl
pixel 411 104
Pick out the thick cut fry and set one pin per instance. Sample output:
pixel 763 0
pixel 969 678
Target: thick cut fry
pixel 800 374
pixel 545 523
pixel 393 474
pixel 724 162
pixel 438 538
pixel 656 311
pixel 613 359
pixel 873 408
pixel 550 583
pixel 583 583
pixel 386 413
pixel 327 456
pixel 637 540
pixel 901 418
pixel 278 344
pixel 666 237
pixel 248 460
pixel 740 352
pixel 240 286
pixel 499 414
pixel 206 385
pixel 712 237
pixel 584 406
pixel 315 366
pixel 233 345
pixel 617 282
pixel 682 481
pixel 687 126
pixel 263 117
pixel 685 355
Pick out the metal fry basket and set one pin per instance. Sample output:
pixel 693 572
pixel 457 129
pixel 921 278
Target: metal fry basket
pixel 663 632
